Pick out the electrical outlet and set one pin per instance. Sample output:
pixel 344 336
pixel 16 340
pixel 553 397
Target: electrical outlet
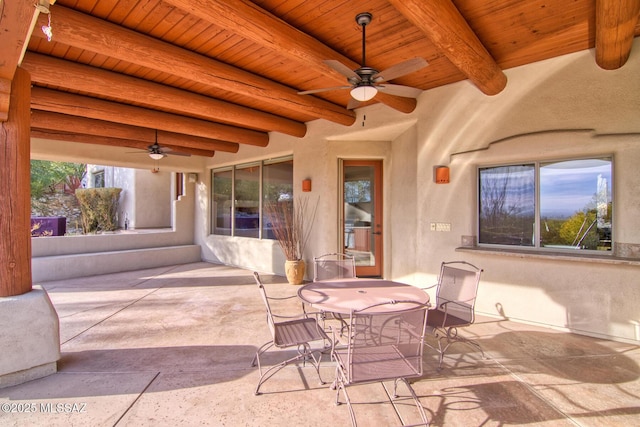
pixel 433 226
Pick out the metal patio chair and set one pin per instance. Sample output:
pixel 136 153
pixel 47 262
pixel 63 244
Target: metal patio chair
pixel 333 266
pixel 291 332
pixel 385 343
pixel 456 293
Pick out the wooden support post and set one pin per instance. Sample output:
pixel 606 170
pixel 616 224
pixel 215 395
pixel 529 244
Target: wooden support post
pixel 15 190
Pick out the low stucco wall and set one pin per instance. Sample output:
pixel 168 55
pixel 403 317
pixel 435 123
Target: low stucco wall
pixel 64 257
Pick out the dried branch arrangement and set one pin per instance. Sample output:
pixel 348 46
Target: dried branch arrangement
pixel 291 223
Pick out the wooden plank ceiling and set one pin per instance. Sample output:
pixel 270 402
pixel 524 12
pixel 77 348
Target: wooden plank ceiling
pixel 207 75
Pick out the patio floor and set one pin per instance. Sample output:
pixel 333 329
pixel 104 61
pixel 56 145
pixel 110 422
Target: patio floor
pixel 172 346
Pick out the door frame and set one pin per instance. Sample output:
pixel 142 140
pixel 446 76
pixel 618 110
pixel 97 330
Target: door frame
pixel 377 227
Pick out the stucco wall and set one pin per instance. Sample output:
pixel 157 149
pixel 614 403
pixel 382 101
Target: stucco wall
pixel 152 199
pixel 559 108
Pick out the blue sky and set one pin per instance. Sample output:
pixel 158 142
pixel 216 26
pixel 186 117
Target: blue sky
pixel 568 187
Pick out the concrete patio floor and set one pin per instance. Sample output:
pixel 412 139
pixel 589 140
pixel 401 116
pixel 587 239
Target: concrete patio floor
pixel 172 346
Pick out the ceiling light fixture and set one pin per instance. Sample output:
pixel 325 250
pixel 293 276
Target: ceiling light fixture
pixel 156 156
pixel 43 6
pixel 363 93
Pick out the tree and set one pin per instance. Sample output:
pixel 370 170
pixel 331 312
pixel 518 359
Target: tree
pixel 580 230
pixel 45 176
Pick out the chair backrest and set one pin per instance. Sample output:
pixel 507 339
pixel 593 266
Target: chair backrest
pixel 333 266
pixel 458 287
pixel 386 341
pixel 265 299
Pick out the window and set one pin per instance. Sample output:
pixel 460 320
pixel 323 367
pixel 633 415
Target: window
pixel 561 205
pixel 222 202
pixel 179 185
pixel 277 186
pixel 98 179
pixel 237 192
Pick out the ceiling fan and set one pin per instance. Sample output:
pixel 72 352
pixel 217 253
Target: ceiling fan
pixel 156 152
pixel 365 82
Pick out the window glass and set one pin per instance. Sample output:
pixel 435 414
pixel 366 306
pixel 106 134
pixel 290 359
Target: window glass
pixel 247 201
pixel 574 210
pixel 507 205
pixel 222 202
pixel 236 208
pixel 277 186
pixel 98 179
pixel 575 204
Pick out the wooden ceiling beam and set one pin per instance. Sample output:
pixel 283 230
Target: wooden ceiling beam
pixel 615 29
pixel 83 78
pixel 85 106
pixel 258 25
pixel 114 142
pixel 79 30
pixel 16 17
pixel 56 122
pixel 447 29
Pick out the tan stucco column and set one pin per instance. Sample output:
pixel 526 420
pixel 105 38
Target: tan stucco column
pixel 15 190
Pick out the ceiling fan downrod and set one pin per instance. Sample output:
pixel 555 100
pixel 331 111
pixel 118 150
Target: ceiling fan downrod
pixel 363 19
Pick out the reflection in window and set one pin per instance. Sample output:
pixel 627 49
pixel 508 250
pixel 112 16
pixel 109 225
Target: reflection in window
pixel 277 186
pixel 574 210
pixel 356 191
pixel 247 201
pixel 236 208
pixel 98 179
pixel 222 198
pixel 575 204
pixel 507 205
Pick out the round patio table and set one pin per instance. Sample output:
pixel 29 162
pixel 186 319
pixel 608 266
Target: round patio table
pixel 344 295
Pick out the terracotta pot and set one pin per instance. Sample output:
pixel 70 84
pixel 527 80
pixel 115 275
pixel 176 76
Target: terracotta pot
pixel 294 270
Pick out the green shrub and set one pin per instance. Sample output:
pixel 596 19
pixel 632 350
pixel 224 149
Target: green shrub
pixel 99 208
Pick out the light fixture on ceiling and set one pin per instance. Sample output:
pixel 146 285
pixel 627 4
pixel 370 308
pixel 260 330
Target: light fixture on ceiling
pixel 363 93
pixel 155 152
pixel 43 6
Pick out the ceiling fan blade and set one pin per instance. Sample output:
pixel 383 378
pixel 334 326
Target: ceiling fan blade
pixel 353 104
pixel 326 89
pixel 168 151
pixel 342 69
pixel 400 69
pixel 176 153
pixel 399 90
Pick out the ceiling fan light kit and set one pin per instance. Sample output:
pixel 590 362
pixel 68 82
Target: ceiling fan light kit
pixel 363 93
pixel 365 82
pixel 156 156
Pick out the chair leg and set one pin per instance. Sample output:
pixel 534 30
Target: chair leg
pixel 451 336
pixel 416 400
pixel 262 349
pixel 302 355
pixel 340 386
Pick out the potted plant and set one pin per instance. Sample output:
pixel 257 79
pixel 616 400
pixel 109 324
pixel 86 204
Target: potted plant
pixel 291 224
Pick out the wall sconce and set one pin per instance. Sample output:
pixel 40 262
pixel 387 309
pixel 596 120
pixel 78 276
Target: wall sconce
pixel 442 175
pixel 306 185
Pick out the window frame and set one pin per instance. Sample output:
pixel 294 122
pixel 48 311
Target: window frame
pixel 233 168
pixel 537 247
